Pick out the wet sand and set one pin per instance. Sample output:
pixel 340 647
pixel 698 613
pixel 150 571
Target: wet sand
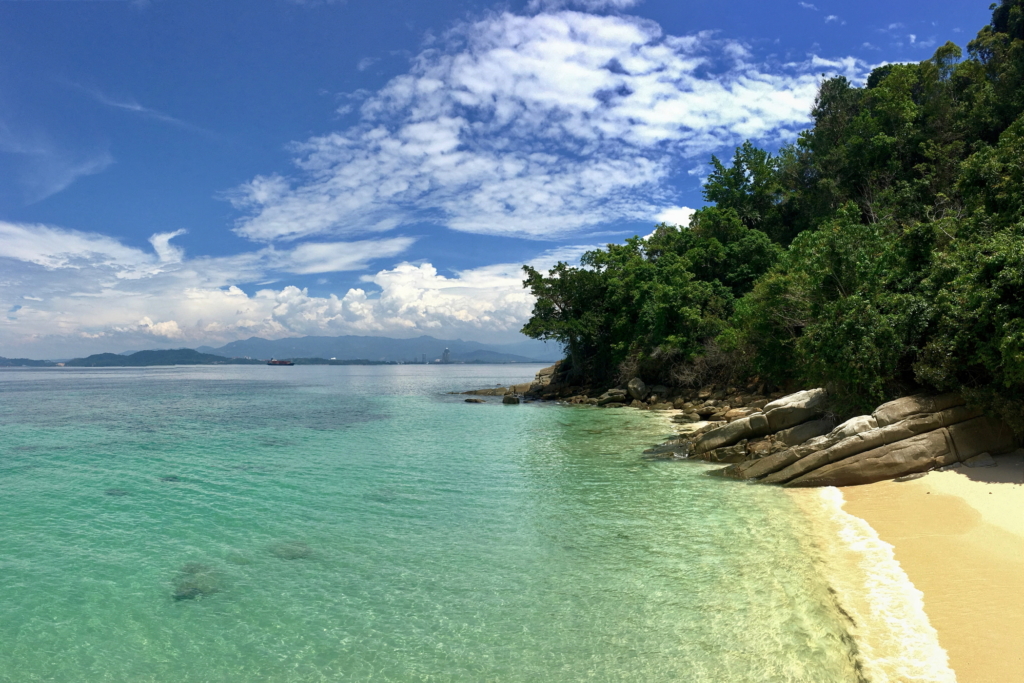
pixel 959 536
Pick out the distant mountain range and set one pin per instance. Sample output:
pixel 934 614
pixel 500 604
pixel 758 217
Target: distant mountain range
pixel 24 363
pixel 141 359
pixel 352 347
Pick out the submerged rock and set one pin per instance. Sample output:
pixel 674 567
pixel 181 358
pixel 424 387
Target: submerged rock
pixel 475 400
pixel 291 550
pixel 195 581
pixel 172 478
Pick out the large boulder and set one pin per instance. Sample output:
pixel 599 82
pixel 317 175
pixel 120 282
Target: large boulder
pixel 612 396
pixel 735 453
pixel 637 389
pixel 794 436
pixel 916 454
pixel 785 458
pixel 908 406
pixel 871 439
pixel 791 410
pixel 726 435
pixel 981 435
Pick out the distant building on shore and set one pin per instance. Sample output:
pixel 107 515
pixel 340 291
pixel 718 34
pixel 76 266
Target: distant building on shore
pixel 446 357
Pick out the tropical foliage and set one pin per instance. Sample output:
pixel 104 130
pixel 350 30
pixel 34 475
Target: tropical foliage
pixel 881 253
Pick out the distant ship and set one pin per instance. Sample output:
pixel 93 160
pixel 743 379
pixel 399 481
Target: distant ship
pixel 279 362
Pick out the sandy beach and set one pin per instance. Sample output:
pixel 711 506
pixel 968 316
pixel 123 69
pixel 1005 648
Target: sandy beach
pixel 959 536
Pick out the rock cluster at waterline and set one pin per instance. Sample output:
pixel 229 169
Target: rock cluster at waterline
pixel 793 440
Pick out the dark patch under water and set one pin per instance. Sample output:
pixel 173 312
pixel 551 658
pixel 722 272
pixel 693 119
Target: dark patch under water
pixel 116 492
pixel 196 580
pixel 172 478
pixel 291 550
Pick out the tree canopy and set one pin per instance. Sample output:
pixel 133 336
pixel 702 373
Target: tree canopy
pixel 881 253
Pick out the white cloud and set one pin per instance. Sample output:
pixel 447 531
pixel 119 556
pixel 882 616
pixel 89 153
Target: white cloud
pixel 165 251
pixel 677 215
pixel 70 293
pixel 807 5
pixel 587 5
pixel 366 62
pixel 830 18
pixel 533 126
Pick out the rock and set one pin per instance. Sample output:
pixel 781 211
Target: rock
pixel 737 413
pixel 981 435
pixel 908 406
pixel 496 391
pixel 759 403
pixel 612 396
pixel 910 477
pixel 868 440
pixel 171 479
pixel 637 389
pixel 681 403
pixel 475 400
pixel 855 425
pixel 759 449
pixel 520 388
pixel 686 417
pixel 794 436
pixel 791 410
pixel 779 461
pixel 510 400
pixel 660 390
pixel 637 404
pixel 981 460
pixel 705 393
pixel 744 428
pixel 736 453
pixel 667 451
pixel 661 406
pixel 916 454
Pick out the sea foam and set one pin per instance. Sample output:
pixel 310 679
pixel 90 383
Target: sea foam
pixel 895 639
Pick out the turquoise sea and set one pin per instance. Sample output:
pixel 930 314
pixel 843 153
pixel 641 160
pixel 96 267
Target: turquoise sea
pixel 308 523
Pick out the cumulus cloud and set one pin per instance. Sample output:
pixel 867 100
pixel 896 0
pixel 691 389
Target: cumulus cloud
pixel 676 215
pixel 533 126
pixel 67 290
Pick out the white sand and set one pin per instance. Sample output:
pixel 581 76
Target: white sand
pixel 959 536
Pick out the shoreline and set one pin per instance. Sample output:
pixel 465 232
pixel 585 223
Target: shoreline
pixel 959 537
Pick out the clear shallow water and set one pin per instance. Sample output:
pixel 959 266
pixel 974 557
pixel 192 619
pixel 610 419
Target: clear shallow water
pixel 358 523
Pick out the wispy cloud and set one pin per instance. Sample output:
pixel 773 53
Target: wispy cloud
pixel 130 105
pixel 44 167
pixel 535 127
pixel 807 5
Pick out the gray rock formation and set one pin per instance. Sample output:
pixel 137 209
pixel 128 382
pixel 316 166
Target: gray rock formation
pixel 729 434
pixel 637 389
pixel 794 409
pixel 870 439
pixel 510 400
pixel 916 454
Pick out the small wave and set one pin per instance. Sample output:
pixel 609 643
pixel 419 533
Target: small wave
pixel 895 639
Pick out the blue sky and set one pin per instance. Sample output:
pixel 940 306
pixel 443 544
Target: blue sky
pixel 184 172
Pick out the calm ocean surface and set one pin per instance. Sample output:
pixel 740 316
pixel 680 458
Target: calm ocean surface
pixel 252 523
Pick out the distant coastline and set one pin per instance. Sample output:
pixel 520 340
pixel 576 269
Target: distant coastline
pixel 170 357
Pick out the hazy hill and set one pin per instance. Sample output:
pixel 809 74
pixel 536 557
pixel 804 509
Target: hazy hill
pixel 146 358
pixel 387 349
pixel 24 363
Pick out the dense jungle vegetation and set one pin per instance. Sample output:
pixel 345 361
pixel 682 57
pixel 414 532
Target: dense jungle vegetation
pixel 881 253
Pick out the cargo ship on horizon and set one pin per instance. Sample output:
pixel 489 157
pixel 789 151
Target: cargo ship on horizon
pixel 273 361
